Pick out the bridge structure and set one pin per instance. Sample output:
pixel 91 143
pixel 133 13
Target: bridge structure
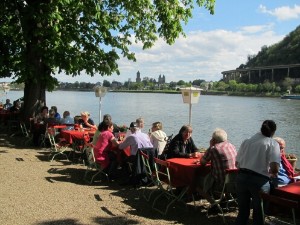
pixel 275 73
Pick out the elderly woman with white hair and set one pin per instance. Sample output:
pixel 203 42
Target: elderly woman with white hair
pixel 286 171
pixel 86 121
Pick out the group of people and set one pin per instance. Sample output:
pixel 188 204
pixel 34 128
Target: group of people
pixel 261 163
pixel 261 159
pixel 46 117
pixel 8 106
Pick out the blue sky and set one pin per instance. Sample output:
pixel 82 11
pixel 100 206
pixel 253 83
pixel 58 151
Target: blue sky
pixel 214 43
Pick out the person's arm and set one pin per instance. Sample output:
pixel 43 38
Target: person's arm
pixel 206 157
pixel 114 142
pixel 126 142
pixel 274 169
pixel 90 123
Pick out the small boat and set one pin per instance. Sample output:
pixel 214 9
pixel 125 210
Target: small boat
pixel 291 97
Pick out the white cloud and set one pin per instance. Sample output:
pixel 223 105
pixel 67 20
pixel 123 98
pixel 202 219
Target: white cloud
pixel 201 55
pixel 282 13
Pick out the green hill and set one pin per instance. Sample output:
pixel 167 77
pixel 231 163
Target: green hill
pixel 284 52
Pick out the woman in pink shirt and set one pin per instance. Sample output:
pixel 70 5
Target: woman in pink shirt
pixel 103 148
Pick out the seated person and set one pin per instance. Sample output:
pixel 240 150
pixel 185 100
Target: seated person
pixel 57 115
pixel 39 126
pixel 108 117
pixel 67 119
pixel 221 154
pixel 140 123
pixel 43 115
pixel 286 170
pixel 103 148
pixel 86 121
pixel 7 105
pixel 158 137
pixel 51 120
pixel 16 107
pixel 135 140
pixel 182 145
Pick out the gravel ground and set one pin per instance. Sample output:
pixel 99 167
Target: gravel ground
pixel 36 191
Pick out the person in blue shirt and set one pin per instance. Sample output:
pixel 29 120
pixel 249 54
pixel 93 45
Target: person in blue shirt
pixel 286 171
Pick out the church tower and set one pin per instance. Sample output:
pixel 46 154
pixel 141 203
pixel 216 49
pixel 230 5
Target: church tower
pixel 138 77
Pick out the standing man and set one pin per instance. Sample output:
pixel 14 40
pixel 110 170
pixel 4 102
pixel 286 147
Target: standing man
pixel 258 159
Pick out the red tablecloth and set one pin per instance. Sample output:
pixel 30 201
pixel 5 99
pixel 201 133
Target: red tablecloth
pixel 71 135
pixel 290 191
pixel 185 172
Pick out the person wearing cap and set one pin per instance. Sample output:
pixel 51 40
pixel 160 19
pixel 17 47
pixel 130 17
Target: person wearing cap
pixel 136 140
pixel 86 121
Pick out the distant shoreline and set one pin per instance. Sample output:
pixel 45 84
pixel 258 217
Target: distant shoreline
pixel 218 93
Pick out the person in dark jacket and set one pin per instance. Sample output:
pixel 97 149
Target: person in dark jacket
pixel 182 145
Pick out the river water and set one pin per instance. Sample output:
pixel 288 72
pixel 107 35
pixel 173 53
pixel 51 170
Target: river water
pixel 241 117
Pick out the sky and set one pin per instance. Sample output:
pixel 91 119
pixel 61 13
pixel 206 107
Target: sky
pixel 213 43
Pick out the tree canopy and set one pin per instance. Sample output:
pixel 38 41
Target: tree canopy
pixel 42 38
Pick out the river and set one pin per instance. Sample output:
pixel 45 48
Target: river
pixel 241 117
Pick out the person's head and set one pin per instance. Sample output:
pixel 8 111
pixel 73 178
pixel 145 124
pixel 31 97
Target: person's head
pixel 107 125
pixel 66 114
pixel 268 128
pixel 107 117
pixel 281 143
pixel 7 101
pixel 51 113
pixel 54 108
pixel 186 132
pixel 133 127
pixel 140 122
pixel 85 115
pixel 156 126
pixel 44 110
pixel 219 135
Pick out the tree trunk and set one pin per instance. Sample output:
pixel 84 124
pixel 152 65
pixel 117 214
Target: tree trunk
pixel 34 98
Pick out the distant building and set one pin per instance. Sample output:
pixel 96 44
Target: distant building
pixel 161 79
pixel 115 84
pixel 138 77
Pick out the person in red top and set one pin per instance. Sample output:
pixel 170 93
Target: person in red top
pixel 102 150
pixel 221 154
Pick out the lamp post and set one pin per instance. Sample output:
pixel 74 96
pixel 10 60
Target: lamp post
pixel 190 95
pixel 100 92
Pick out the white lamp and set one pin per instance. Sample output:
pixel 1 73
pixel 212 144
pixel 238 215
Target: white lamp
pixel 100 92
pixel 190 95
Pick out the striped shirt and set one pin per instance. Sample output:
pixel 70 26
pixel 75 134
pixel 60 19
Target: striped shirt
pixel 222 157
